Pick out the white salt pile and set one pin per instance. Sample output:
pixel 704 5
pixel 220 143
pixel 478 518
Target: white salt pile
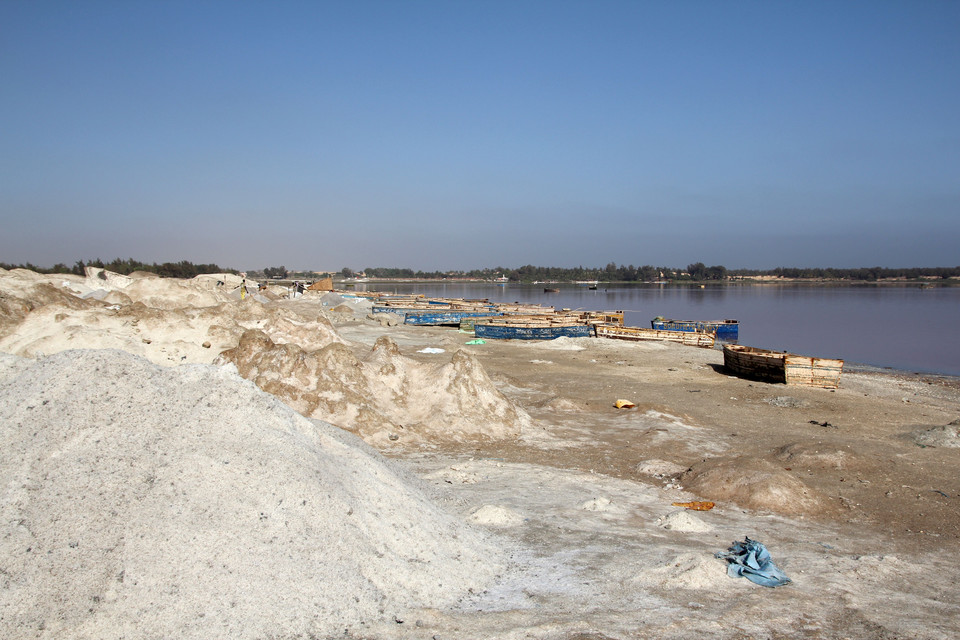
pixel 385 396
pixel 165 322
pixel 143 501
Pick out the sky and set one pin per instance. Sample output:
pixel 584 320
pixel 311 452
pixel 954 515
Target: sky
pixel 455 135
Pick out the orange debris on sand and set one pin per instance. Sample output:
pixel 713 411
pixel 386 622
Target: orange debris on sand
pixel 696 506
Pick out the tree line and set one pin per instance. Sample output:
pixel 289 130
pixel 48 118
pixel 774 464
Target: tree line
pixel 696 272
pixel 182 269
pixel 612 272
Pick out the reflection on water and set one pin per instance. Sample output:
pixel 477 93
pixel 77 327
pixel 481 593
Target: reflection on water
pixel 903 327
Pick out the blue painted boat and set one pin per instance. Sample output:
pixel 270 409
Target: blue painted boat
pixel 536 328
pixel 429 317
pixel 726 330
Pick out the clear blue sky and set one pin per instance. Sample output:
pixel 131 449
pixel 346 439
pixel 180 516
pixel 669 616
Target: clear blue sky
pixel 459 135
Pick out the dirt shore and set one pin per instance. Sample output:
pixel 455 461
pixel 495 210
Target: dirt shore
pixel 849 487
pixel 856 447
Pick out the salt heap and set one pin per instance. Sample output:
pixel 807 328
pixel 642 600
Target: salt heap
pixel 166 321
pixel 384 395
pixel 143 501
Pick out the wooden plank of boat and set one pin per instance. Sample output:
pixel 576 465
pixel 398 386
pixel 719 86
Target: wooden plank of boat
pixel 689 338
pixel 725 329
pixel 782 367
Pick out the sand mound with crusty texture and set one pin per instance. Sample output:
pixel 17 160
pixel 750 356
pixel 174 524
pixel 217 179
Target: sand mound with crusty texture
pixel 42 317
pixel 383 397
pixel 946 436
pixel 182 502
pixel 23 291
pixel 753 484
pixel 813 455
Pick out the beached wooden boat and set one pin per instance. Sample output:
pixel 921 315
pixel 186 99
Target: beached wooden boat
pixel 399 306
pixel 782 367
pixel 431 314
pixel 540 327
pixel 689 338
pixel 444 316
pixel 726 330
pixel 520 308
pixel 602 317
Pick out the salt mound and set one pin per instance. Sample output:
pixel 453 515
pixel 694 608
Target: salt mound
pixel 168 336
pixel 205 290
pixel 23 291
pixel 945 436
pixel 496 516
pixel 659 468
pixel 753 484
pixel 142 501
pixel 331 299
pixel 683 521
pixel 814 456
pixel 385 395
pixel 600 503
pixel 686 571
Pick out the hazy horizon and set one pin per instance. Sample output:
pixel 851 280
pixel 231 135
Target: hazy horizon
pixel 442 136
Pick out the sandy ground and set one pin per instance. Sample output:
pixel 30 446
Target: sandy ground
pixel 854 491
pixel 839 485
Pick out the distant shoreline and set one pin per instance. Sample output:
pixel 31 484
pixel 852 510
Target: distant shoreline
pixel 949 282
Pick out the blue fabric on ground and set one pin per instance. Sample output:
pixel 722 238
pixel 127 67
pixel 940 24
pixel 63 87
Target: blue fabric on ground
pixel 751 560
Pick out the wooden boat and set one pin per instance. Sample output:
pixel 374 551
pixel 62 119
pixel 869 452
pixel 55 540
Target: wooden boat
pixel 689 338
pixel 725 329
pixel 426 313
pixel 441 316
pixel 547 290
pixel 524 309
pixel 539 327
pixel 602 317
pixel 782 367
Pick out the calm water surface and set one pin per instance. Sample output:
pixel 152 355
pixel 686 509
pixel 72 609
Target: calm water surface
pixel 903 327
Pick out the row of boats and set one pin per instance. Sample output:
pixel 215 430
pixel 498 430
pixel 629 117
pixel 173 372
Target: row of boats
pixel 518 321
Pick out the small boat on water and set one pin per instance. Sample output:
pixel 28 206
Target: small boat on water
pixel 726 330
pixel 548 290
pixel 782 367
pixel 539 327
pixel 689 338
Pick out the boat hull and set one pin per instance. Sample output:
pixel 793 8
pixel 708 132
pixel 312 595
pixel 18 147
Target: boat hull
pixel 505 332
pixel 726 330
pixel 782 367
pixel 689 338
pixel 439 318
